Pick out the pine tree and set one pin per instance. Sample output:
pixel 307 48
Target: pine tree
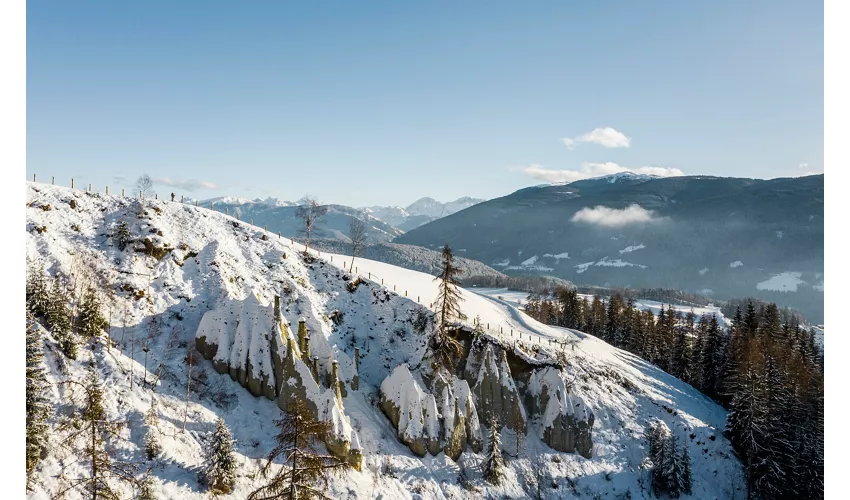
pixel 493 462
pixel 447 305
pixel 298 444
pixel 58 319
pixel 219 470
pixel 90 321
pixel 38 408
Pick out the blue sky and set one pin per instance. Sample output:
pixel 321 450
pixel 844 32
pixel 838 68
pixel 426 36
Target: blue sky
pixel 366 103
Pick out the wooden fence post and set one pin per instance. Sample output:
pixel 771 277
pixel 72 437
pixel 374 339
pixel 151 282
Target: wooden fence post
pixel 122 192
pixel 52 180
pixel 107 189
pixel 33 177
pixel 90 188
pixel 72 183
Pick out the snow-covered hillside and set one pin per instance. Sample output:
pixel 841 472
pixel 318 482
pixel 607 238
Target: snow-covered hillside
pixel 186 261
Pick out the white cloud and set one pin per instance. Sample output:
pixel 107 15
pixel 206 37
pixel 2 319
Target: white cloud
pixel 612 217
pixel 589 170
pixel 603 136
pixel 188 185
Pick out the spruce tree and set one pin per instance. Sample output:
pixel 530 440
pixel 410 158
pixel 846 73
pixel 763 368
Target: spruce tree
pixel 219 469
pixel 751 321
pixel 447 305
pixel 776 454
pixel 610 333
pixel 711 351
pixel 686 479
pixel 657 436
pixel 298 443
pixel 146 488
pixel 92 428
pixel 122 235
pixel 493 465
pixel 680 356
pixel 670 468
pixel 58 319
pixel 152 445
pixel 38 408
pixel 90 321
pixel 38 295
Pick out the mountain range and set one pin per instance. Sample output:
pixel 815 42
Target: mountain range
pixel 725 237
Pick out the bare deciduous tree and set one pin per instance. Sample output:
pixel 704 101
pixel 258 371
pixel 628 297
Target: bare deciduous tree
pixel 359 238
pixel 145 185
pixel 311 214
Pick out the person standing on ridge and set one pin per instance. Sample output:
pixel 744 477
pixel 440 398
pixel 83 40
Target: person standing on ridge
pixel 172 196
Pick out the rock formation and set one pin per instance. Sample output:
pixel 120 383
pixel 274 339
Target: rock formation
pixel 252 342
pixel 540 398
pixel 496 392
pixel 565 420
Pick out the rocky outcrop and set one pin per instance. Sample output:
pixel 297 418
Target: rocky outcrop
pixel 457 409
pixel 252 342
pixel 233 337
pixel 540 398
pixel 443 421
pixel 496 392
pixel 411 411
pixel 565 420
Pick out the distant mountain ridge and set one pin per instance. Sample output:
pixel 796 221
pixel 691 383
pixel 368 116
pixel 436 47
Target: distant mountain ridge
pixel 726 237
pixel 419 212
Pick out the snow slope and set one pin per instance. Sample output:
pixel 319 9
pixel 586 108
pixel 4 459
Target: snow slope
pixel 211 259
